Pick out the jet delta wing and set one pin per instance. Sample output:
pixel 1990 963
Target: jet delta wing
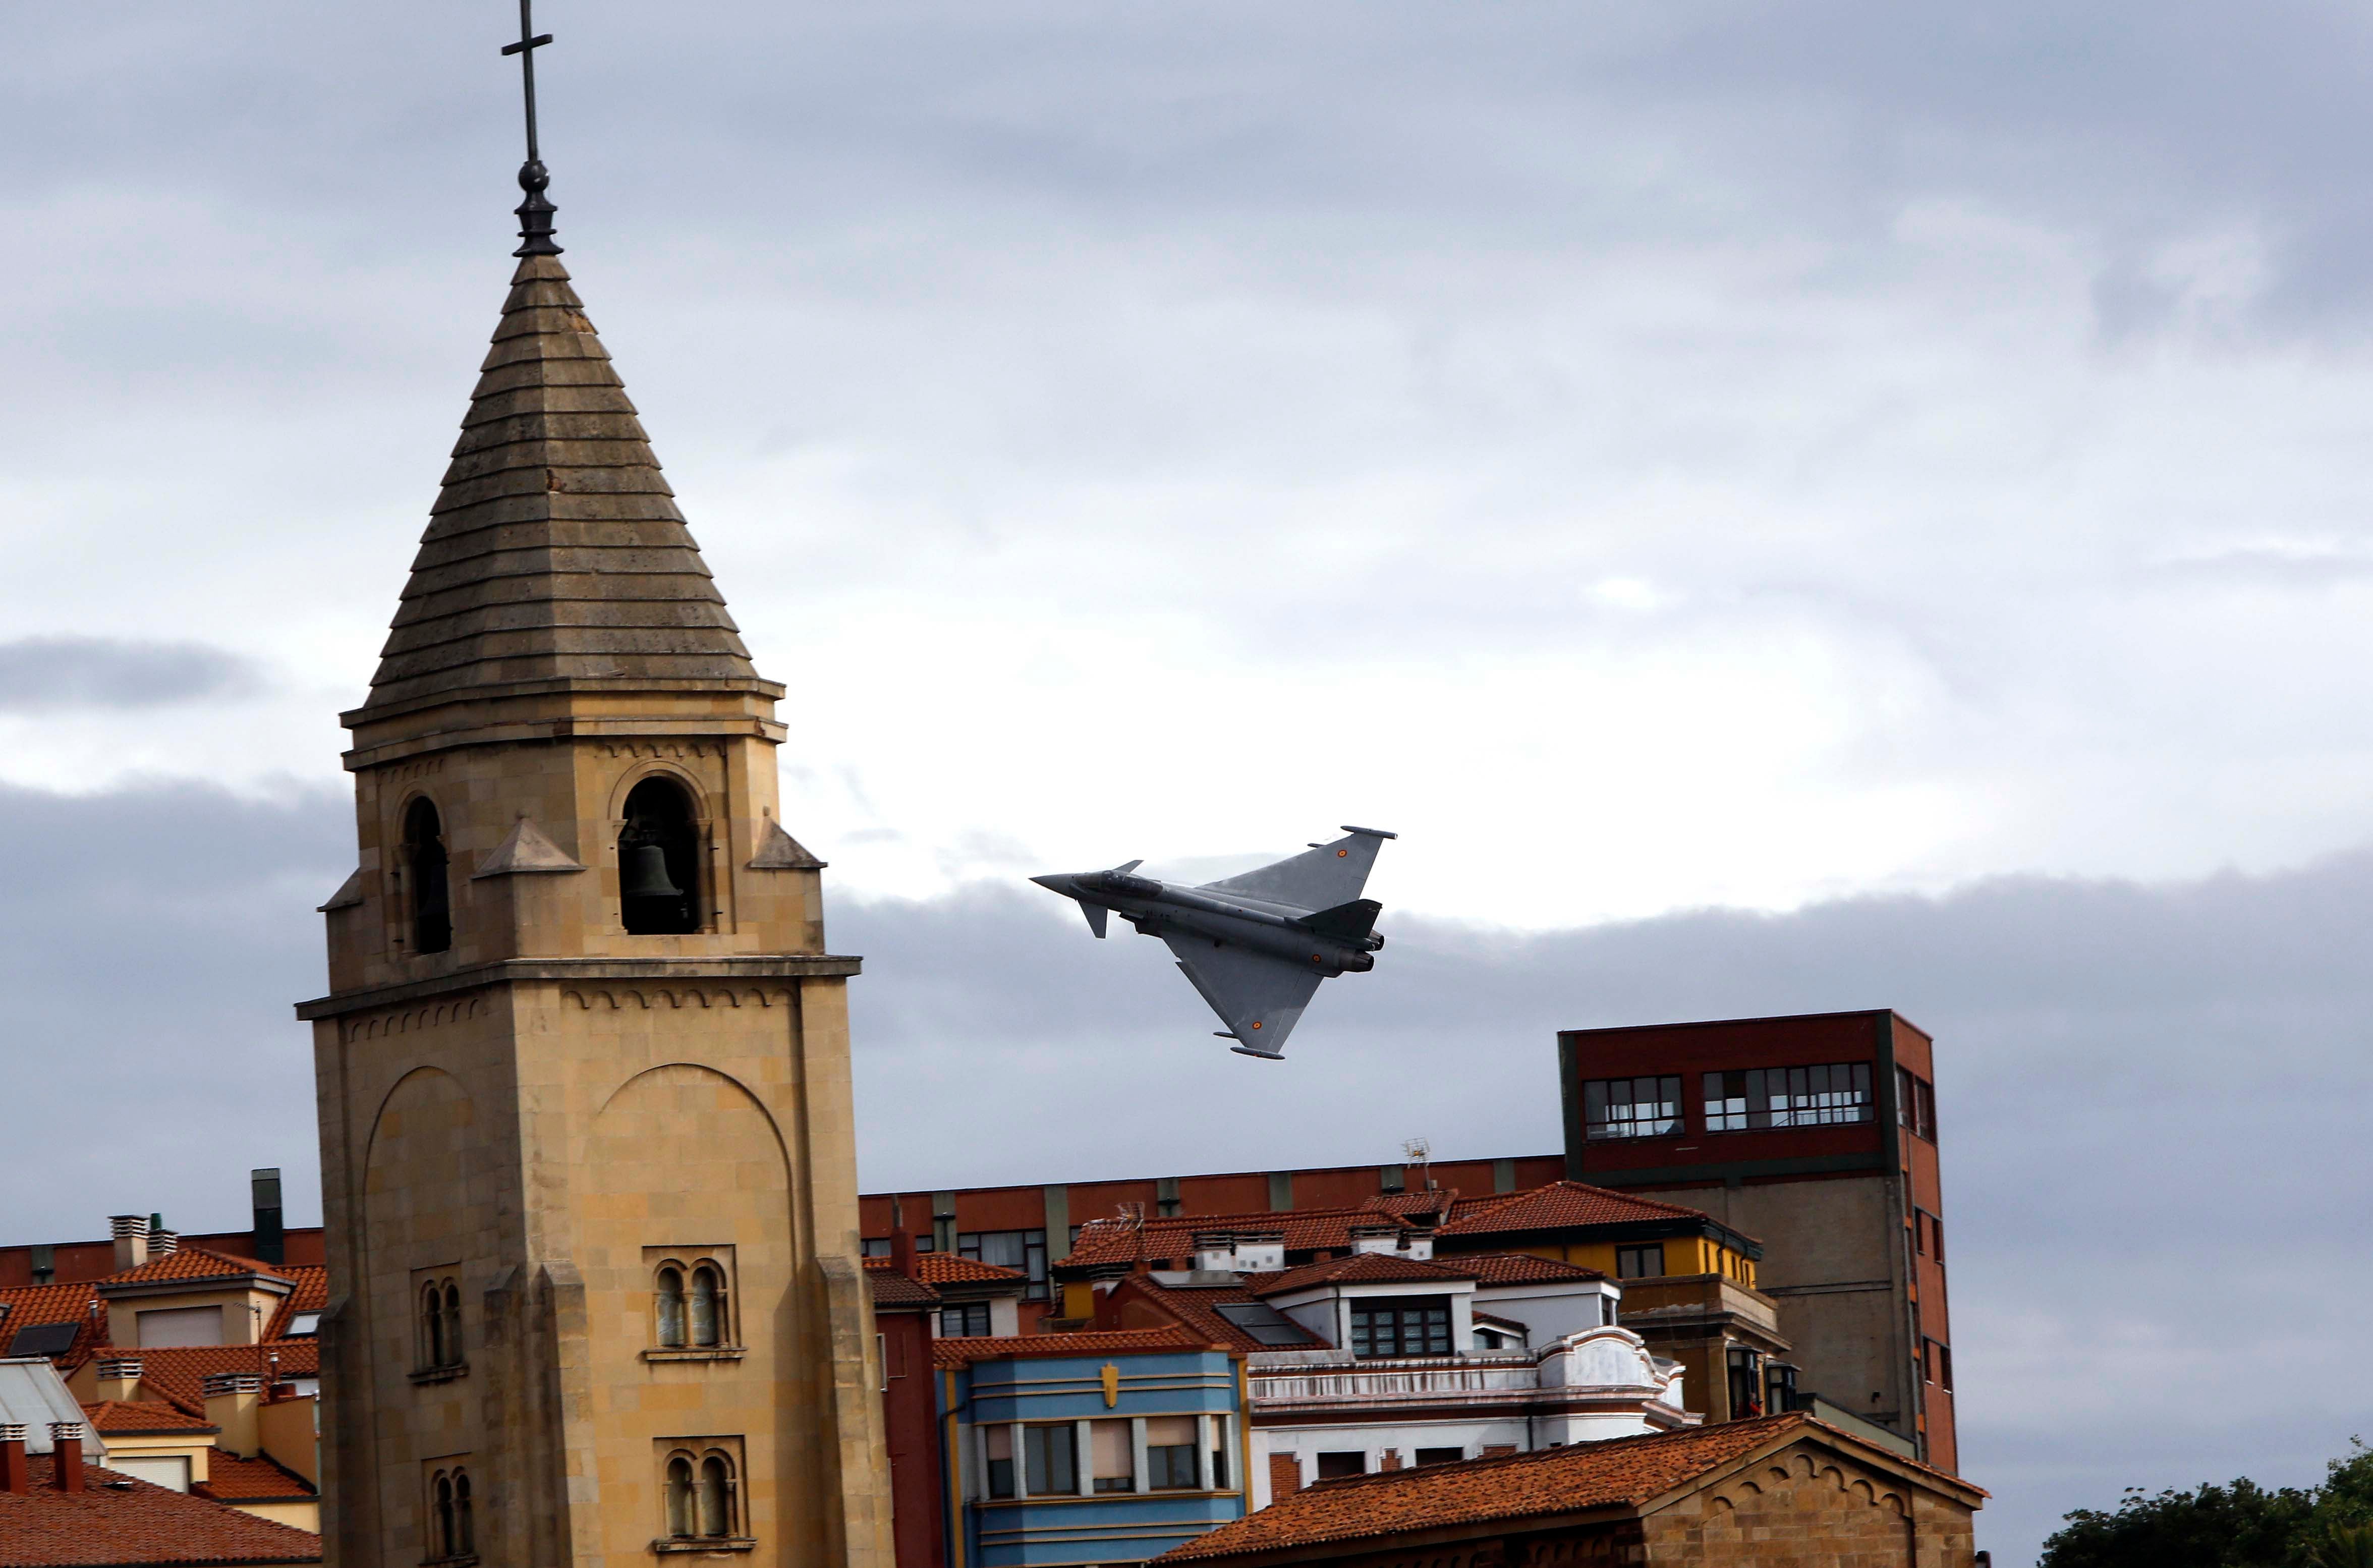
pixel 1255 945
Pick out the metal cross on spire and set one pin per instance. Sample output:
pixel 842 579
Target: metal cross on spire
pixel 535 213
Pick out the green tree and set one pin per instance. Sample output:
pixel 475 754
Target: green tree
pixel 2239 1526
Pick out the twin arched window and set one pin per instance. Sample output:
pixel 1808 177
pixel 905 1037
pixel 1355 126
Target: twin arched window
pixel 702 1497
pixel 659 861
pixel 424 862
pixel 452 1531
pixel 693 1311
pixel 440 1324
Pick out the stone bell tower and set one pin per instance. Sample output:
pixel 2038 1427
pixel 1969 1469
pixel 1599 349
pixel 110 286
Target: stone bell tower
pixel 590 1181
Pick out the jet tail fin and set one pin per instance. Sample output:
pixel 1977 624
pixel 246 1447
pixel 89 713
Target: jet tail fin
pixel 1346 922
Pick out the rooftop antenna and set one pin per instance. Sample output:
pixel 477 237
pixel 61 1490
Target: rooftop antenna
pixel 535 213
pixel 1418 1151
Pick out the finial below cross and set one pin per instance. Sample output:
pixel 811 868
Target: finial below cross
pixel 535 213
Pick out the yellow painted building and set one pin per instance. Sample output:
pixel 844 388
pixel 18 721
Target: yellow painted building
pixel 589 1171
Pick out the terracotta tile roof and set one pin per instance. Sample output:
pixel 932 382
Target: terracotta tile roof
pixel 1360 1268
pixel 142 1416
pixel 311 1294
pixel 117 1521
pixel 31 1305
pixel 1306 1229
pixel 1517 1269
pixel 1561 1205
pixel 179 1373
pixel 233 1479
pixel 893 1289
pixel 1624 1470
pixel 1496 1321
pixel 1435 1200
pixel 192 1263
pixel 962 1350
pixel 1198 1307
pixel 950 1269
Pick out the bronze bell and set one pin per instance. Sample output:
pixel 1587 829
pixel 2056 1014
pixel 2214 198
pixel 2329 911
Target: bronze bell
pixel 646 875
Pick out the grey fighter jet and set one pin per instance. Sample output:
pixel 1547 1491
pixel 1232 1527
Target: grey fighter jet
pixel 1255 945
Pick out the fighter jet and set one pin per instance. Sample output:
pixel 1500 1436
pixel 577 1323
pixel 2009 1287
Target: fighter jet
pixel 1254 945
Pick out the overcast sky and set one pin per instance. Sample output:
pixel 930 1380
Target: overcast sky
pixel 1782 507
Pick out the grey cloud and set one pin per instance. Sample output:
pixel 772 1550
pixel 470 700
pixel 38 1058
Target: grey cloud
pixel 41 675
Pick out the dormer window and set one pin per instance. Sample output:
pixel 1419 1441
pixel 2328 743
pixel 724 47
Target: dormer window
pixel 424 861
pixel 1401 1326
pixel 659 861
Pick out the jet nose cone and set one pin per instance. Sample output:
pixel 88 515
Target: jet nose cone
pixel 1053 883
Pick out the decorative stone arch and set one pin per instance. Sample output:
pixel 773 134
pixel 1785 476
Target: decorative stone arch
pixel 420 886
pixel 682 826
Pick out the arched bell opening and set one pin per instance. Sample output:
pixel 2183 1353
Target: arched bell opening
pixel 424 862
pixel 659 861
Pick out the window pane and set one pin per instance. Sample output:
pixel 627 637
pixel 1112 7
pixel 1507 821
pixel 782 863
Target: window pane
pixel 1047 1452
pixel 679 1497
pixel 713 1519
pixel 1632 1107
pixel 671 1307
pixel 704 1292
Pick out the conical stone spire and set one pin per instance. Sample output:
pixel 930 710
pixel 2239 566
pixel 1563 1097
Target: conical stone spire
pixel 556 553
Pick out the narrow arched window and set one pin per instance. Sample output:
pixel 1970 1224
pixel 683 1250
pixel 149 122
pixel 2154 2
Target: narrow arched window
pixel 716 1496
pixel 659 861
pixel 671 1294
pixel 679 1496
pixel 432 1327
pixel 465 1527
pixel 453 1323
pixel 446 1529
pixel 708 1306
pixel 424 860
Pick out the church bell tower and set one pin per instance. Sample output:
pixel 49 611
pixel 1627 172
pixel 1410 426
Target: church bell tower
pixel 586 1155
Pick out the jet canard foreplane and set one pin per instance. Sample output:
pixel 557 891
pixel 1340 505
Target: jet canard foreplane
pixel 1256 945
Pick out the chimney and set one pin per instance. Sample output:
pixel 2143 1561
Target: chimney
pixel 131 1241
pixel 65 1448
pixel 16 1470
pixel 902 1241
pixel 271 1240
pixel 232 1398
pixel 163 1242
pixel 119 1378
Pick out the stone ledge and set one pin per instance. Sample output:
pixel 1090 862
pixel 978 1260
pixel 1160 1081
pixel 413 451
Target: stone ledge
pixel 428 1374
pixel 731 967
pixel 717 1545
pixel 711 1353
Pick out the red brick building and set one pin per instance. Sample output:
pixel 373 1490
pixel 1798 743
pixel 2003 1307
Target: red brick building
pixel 1816 1134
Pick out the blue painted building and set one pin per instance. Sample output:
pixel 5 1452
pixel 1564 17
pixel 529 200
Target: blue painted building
pixel 1094 1448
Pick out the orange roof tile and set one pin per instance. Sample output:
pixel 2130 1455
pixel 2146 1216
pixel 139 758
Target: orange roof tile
pixel 951 1269
pixel 179 1373
pixel 1306 1229
pixel 1433 1201
pixel 1516 1268
pixel 194 1263
pixel 1624 1470
pixel 231 1478
pixel 1561 1205
pixel 311 1294
pixel 118 1522
pixel 893 1289
pixel 130 1416
pixel 1360 1268
pixel 27 1305
pixel 1198 1307
pixel 962 1350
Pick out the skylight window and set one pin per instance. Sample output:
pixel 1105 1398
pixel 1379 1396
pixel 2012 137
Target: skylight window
pixel 1262 1321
